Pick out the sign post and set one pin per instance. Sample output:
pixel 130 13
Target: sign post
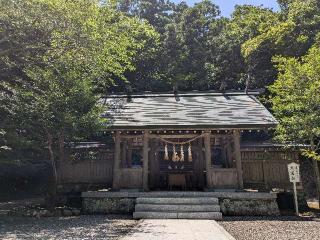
pixel 294 177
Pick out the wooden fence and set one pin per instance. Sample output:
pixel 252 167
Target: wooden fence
pixel 262 169
pixel 85 170
pixel 267 169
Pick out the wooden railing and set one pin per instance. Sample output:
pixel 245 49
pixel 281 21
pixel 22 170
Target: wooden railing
pixel 266 170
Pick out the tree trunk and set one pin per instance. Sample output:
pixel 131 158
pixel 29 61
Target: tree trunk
pixel 316 170
pixel 61 145
pixel 52 186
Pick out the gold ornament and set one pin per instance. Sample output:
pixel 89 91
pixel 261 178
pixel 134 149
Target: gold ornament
pixel 189 153
pixel 181 154
pixel 166 155
pixel 175 157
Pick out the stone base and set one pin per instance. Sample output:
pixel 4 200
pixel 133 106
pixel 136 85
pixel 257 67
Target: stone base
pixel 232 204
pixel 108 205
pixel 249 207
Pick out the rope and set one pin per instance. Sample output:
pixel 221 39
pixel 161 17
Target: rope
pixel 180 143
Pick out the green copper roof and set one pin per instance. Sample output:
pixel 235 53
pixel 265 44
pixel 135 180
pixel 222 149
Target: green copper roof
pixel 188 110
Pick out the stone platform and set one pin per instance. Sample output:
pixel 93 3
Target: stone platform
pixel 231 203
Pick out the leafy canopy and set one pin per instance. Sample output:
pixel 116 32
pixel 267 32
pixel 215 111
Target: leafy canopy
pixel 58 57
pixel 296 96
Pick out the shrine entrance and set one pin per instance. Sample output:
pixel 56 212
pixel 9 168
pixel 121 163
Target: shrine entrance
pixel 176 166
pixel 182 160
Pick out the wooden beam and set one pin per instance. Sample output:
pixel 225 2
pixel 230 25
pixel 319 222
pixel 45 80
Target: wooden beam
pixel 145 170
pixel 173 135
pixel 207 147
pixel 131 136
pixel 116 162
pixel 160 135
pixel 237 154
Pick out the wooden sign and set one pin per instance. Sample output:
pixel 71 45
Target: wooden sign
pixel 294 177
pixel 294 172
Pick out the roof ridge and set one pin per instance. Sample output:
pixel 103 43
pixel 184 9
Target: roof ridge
pixel 189 94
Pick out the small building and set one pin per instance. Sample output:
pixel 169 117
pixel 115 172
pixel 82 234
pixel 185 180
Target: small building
pixel 187 141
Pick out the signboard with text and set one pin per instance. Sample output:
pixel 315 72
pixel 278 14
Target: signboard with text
pixel 294 177
pixel 294 172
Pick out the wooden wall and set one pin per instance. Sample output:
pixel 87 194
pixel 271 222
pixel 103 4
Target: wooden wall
pixel 87 171
pixel 267 169
pixel 223 178
pixel 261 170
pixel 131 178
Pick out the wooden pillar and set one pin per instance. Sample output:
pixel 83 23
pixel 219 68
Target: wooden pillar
pixel 207 147
pixel 265 176
pixel 145 170
pixel 229 153
pixel 199 163
pixel 237 154
pixel 116 162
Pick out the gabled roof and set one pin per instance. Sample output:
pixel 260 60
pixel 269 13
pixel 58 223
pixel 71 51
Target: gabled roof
pixel 187 111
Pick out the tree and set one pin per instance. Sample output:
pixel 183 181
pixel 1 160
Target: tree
pixel 81 48
pixel 227 65
pixel 292 35
pixel 295 102
pixel 156 12
pixel 186 45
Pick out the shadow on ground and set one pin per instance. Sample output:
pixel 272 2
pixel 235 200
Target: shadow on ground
pixel 82 227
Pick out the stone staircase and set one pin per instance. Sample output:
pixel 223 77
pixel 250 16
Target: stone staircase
pixel 177 206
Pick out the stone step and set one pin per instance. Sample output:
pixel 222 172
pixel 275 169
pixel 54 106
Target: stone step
pixel 177 194
pixel 178 215
pixel 177 201
pixel 176 208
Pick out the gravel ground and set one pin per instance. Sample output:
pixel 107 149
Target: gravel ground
pixel 65 228
pixel 272 228
pixel 113 227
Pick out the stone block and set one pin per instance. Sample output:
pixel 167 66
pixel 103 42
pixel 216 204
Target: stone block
pixel 200 215
pixel 67 212
pixel 249 207
pixel 176 208
pixel 155 215
pixel 108 205
pixel 76 212
pixel 178 201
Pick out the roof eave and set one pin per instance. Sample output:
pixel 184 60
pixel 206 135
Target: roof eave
pixel 193 127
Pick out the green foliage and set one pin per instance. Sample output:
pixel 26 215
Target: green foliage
pixel 57 58
pixel 311 154
pixel 228 64
pixel 55 54
pixel 292 35
pixel 187 39
pixel 296 97
pixel 197 48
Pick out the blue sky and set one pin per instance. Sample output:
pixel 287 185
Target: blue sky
pixel 227 6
